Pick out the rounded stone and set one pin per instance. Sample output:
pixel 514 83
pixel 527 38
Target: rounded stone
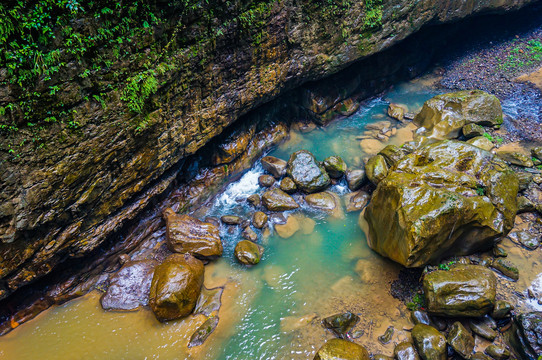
pixel 248 253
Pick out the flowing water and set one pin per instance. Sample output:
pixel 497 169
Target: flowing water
pixel 272 310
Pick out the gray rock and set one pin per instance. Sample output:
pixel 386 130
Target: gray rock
pixel 307 174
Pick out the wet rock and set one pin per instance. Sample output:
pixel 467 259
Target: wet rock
pixel 501 310
pixel 498 352
pixel 515 157
pixel 536 152
pixel 356 201
pixel 479 356
pixel 254 199
pixel 232 147
pixel 203 332
pixel 339 349
pixel 335 166
pixel 481 142
pixel 406 351
pixel 447 198
pixel 289 228
pixel 524 179
pixel 472 130
pixel 464 290
pixel 526 336
pixel 249 234
pixel 325 201
pixel 355 178
pixel 288 185
pixel 430 343
pixel 461 340
pixel 381 357
pixel 274 165
pixel 443 116
pixel 392 154
pixel 340 324
pixel 248 253
pixel 506 268
pixel 266 180
pixel 259 219
pixel 386 337
pixel 420 317
pixel 129 287
pixel 376 169
pixel 498 251
pixel 185 234
pixel 278 200
pixel 396 111
pixel 483 329
pixel 525 205
pixel 525 238
pixel 230 219
pixel 209 301
pixel 307 174
pixel 176 286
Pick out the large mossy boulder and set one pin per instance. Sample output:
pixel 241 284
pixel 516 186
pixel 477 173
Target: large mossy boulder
pixel 176 287
pixel 185 234
pixel 307 173
pixel 338 349
pixel 526 337
pixel 464 290
pixel 443 116
pixel 446 198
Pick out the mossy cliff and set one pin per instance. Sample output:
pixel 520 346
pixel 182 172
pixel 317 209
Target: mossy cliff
pixel 98 103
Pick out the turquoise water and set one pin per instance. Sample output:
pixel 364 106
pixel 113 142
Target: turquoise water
pixel 312 274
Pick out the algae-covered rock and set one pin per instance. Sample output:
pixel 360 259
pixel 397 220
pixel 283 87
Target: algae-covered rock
pixel 248 253
pixel 376 169
pixel 430 343
pixel 443 116
pixel 464 290
pixel 526 336
pixel 325 201
pixel 308 175
pixel 461 340
pixel 203 332
pixel 506 268
pixel 484 327
pixel 176 286
pixel 278 200
pixel 230 219
pixel 446 198
pixel 338 349
pixel 406 351
pixel 274 165
pixel 498 352
pixel 536 152
pixel 259 219
pixel 392 154
pixel 472 130
pixel 185 234
pixel 287 185
pixel 515 157
pixel 502 309
pixel 356 201
pixel 335 166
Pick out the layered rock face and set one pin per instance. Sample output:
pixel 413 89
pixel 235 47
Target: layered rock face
pixel 65 198
pixel 446 198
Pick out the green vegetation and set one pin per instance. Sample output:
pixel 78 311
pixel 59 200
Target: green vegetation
pixel 373 14
pixel 418 301
pixel 496 139
pixel 523 55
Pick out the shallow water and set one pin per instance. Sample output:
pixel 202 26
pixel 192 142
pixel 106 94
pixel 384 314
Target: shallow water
pixel 310 276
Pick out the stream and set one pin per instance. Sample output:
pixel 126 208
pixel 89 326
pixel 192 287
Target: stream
pixel 272 310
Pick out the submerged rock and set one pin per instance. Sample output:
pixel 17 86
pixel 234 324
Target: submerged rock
pixel 461 340
pixel 278 200
pixel 325 201
pixel 289 228
pixel 202 333
pixel 340 324
pixel 185 234
pixel 464 290
pixel 248 253
pixel 129 287
pixel 335 166
pixel 355 178
pixel 274 165
pixel 525 238
pixel 386 337
pixel 338 349
pixel 443 116
pixel 176 286
pixel 430 343
pixel 376 169
pixel 230 219
pixel 447 198
pixel 307 174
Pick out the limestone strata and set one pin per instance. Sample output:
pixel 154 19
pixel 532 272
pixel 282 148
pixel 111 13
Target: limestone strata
pixel 64 200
